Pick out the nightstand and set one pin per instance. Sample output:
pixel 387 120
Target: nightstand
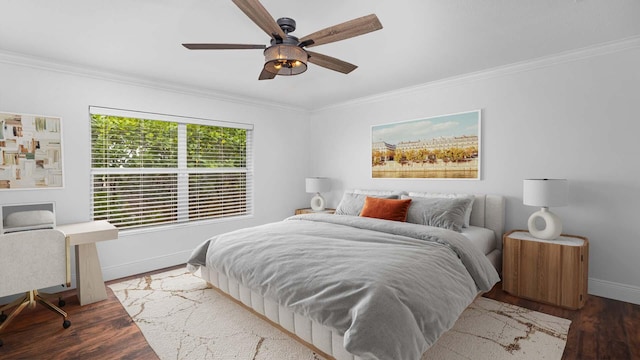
pixel 310 211
pixel 550 271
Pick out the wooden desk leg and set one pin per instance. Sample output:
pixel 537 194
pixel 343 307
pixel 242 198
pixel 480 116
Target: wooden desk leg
pixel 90 283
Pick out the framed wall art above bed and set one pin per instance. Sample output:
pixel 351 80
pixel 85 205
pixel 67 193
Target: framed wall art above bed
pixel 439 147
pixel 30 151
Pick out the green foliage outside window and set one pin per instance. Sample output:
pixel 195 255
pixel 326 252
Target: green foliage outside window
pixel 144 189
pixel 213 147
pixel 120 142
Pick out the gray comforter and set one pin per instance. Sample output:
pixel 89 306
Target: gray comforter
pixel 390 288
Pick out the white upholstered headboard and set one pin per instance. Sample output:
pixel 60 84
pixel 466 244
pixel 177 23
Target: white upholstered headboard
pixel 489 211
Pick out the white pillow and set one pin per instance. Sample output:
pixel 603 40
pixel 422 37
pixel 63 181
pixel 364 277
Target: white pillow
pixel 29 220
pixel 467 214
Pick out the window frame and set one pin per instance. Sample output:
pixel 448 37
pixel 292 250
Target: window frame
pixel 182 187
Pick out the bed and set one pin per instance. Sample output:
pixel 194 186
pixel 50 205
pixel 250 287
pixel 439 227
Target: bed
pixel 357 287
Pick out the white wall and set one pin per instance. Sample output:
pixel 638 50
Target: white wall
pixel 280 166
pixel 572 117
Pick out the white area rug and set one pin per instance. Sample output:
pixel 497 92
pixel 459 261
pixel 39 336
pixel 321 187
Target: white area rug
pixel 183 318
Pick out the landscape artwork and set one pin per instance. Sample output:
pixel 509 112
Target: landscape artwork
pixel 30 151
pixel 440 147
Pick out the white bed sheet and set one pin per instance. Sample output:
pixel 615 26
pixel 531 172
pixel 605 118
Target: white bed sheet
pixel 483 238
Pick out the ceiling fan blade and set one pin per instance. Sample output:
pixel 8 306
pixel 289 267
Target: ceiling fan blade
pixel 330 62
pixel 222 46
pixel 346 30
pixel 259 15
pixel 265 75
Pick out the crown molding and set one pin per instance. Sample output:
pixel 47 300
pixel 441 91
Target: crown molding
pixel 519 67
pixel 23 60
pixel 524 66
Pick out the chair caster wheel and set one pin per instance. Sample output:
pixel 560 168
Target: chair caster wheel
pixel 3 317
pixel 66 324
pixel 61 303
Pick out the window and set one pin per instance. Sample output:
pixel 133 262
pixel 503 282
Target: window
pixel 152 169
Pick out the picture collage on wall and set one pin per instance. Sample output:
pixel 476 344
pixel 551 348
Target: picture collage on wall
pixel 30 151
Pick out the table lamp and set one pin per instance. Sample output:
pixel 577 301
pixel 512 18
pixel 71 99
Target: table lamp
pixel 545 193
pixel 317 185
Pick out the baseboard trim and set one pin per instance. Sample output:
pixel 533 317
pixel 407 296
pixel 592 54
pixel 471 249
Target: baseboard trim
pixel 613 290
pixel 144 265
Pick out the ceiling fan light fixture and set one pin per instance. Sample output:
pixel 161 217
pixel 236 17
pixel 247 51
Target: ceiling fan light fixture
pixel 285 59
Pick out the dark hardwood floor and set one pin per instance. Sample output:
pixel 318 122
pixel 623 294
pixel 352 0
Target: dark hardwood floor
pixel 603 329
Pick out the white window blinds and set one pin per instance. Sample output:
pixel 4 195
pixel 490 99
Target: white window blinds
pixel 152 169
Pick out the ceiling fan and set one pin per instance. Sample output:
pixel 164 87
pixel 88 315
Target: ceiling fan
pixel 286 54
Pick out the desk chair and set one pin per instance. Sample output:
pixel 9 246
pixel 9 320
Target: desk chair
pixel 31 260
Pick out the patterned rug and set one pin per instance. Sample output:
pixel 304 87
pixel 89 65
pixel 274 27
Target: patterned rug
pixel 183 318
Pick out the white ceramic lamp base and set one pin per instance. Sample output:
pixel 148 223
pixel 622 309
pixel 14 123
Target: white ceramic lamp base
pixel 553 227
pixel 317 202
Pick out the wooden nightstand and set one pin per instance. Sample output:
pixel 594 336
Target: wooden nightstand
pixel 549 271
pixel 310 211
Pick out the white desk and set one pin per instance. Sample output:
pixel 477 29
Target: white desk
pixel 83 236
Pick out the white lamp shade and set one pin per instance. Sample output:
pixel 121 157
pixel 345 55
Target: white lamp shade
pixel 545 192
pixel 317 184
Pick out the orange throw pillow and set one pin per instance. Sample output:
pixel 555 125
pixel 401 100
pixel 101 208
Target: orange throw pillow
pixel 388 209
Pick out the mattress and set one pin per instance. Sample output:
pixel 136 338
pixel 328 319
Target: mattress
pixel 483 238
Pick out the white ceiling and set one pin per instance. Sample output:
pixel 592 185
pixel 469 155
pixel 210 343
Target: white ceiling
pixel 422 40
